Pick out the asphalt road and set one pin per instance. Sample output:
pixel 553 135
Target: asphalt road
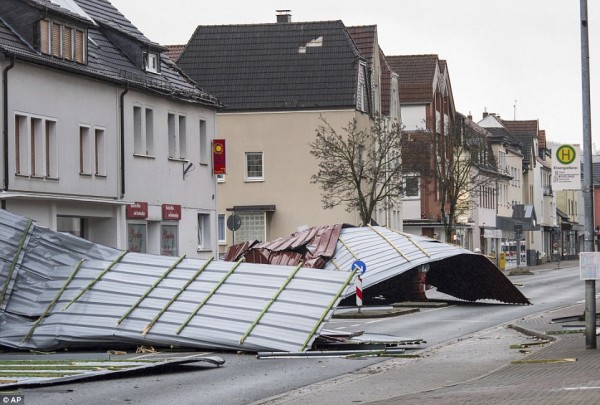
pixel 244 379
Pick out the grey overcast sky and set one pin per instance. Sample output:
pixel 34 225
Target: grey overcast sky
pixel 516 58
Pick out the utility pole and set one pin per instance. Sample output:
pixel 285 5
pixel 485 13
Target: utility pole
pixel 590 285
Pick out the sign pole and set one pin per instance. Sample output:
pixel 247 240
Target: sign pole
pixel 359 292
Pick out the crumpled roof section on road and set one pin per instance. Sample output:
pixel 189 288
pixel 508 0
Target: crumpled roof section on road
pixel 392 258
pixel 58 290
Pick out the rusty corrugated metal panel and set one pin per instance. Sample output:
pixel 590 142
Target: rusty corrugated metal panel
pixel 312 246
pixel 235 252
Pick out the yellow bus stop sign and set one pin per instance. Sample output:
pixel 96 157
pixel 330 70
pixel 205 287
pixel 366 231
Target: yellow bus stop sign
pixel 565 154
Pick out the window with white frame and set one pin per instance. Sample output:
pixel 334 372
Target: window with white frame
pixel 253 226
pixel 143 131
pixel 411 186
pixel 221 229
pixel 85 150
pixel 203 143
pixel 151 62
pixel 204 240
pixel 254 166
pixel 36 146
pixel 99 152
pixel 176 132
pixel 182 137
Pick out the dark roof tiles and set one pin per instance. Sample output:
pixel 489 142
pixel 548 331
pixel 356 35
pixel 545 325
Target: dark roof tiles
pixel 275 66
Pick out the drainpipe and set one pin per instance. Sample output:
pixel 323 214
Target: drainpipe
pixel 122 113
pixel 5 122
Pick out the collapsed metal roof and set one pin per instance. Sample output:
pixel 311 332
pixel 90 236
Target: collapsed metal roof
pixel 391 258
pixel 58 290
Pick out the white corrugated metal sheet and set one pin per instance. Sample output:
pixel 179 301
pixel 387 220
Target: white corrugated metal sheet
pixel 247 307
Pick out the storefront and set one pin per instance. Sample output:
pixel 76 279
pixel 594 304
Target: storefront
pixel 148 234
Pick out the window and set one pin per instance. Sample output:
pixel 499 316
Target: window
pixel 411 187
pixel 99 160
pixel 221 229
pixel 168 240
pixel 36 146
pixel 203 143
pixel 136 237
pixel 61 41
pixel 253 226
pixel 176 128
pixel 182 137
pixel 151 62
pixel 171 135
pixel 204 242
pixel 254 166
pixel 85 151
pixel 143 132
pixel 51 150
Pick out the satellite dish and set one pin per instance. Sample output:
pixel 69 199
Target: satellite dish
pixel 234 222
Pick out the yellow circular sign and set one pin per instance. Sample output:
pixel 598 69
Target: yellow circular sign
pixel 565 154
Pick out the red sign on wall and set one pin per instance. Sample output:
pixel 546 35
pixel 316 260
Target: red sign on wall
pixel 137 210
pixel 171 212
pixel 218 149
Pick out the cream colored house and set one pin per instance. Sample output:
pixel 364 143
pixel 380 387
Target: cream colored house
pixel 277 82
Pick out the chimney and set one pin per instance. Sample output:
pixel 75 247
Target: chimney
pixel 284 16
pixel 485 114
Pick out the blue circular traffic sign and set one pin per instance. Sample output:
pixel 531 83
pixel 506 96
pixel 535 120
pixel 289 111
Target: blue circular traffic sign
pixel 359 266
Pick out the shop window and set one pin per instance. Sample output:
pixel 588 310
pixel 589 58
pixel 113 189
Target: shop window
pixel 169 240
pixel 136 237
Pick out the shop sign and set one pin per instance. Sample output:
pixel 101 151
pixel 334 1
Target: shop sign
pixel 171 212
pixel 218 152
pixel 137 210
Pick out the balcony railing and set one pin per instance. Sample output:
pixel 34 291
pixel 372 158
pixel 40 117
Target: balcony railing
pixel 548 191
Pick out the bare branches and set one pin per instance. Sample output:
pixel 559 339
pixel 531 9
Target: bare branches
pixel 358 167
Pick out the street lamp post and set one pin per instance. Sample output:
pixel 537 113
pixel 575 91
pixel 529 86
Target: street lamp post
pixel 590 285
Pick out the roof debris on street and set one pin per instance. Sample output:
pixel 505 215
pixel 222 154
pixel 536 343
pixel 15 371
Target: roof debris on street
pixel 57 290
pixel 392 259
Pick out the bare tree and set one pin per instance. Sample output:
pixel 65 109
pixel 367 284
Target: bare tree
pixel 358 168
pixel 460 167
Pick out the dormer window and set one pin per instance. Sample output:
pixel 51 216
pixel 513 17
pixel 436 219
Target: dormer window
pixel 151 61
pixel 62 41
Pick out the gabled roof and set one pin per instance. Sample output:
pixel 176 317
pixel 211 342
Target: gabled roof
pixel 416 76
pixel 283 66
pixel 524 131
pixel 175 51
pixel 414 68
pixel 105 60
pixel 364 36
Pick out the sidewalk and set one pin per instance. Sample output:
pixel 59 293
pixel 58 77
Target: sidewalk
pixel 481 369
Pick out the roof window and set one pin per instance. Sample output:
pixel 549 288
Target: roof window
pixel 151 62
pixel 62 41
